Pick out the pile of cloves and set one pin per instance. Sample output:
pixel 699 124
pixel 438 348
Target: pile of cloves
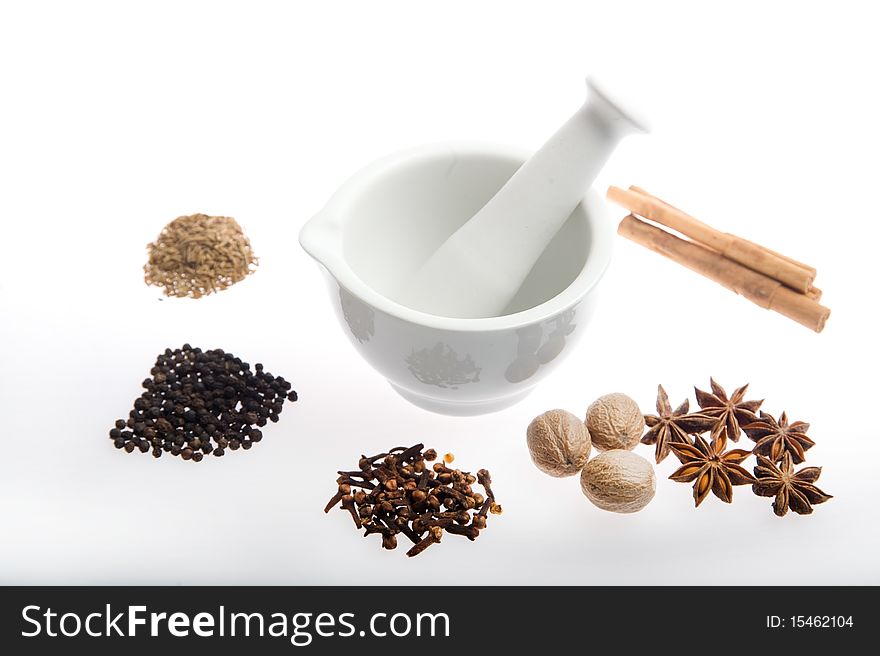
pixel 398 492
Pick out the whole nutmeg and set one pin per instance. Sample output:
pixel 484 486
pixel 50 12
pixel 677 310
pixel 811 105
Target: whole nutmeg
pixel 615 422
pixel 618 480
pixel 558 443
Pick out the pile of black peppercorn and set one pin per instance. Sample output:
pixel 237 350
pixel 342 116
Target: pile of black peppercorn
pixel 201 402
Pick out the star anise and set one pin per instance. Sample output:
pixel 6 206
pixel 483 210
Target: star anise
pixel 776 438
pixel 730 413
pixel 792 490
pixel 672 426
pixel 710 468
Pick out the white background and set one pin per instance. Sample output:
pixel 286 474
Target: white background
pixel 117 117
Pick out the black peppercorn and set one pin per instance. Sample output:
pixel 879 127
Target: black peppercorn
pixel 198 402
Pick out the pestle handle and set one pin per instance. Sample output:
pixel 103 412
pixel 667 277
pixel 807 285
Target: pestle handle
pixel 480 268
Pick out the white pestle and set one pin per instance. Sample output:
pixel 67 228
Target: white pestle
pixel 479 270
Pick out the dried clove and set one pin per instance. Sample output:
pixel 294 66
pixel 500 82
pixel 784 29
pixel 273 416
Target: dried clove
pixel 347 502
pixel 434 535
pixel 395 492
pixel 471 531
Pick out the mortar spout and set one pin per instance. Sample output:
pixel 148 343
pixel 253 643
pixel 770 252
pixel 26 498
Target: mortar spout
pixel 321 237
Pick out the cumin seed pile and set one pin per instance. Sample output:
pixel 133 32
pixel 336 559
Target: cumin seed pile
pixel 199 254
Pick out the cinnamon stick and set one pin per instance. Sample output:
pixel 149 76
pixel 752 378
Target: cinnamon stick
pixel 758 288
pixel 795 275
pixel 791 260
pixel 805 267
pixel 813 292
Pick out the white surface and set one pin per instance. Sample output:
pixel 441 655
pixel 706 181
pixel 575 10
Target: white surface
pixel 117 119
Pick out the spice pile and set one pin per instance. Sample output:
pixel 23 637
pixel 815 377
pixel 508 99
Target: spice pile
pixel 779 445
pixel 200 402
pixel 616 480
pixel 199 254
pixel 398 492
pixel 621 481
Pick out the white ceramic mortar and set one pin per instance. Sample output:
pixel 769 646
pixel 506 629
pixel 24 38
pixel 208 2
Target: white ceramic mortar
pixel 382 225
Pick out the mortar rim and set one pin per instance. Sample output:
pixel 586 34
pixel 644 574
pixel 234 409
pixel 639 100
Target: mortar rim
pixel 322 238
